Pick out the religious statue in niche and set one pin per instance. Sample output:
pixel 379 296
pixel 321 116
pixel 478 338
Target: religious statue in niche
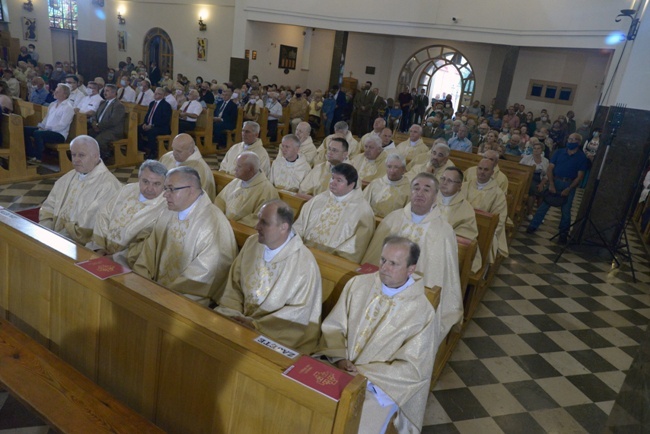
pixel 121 40
pixel 202 49
pixel 288 57
pixel 29 29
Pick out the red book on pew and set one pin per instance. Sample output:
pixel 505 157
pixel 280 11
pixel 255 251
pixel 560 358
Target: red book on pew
pixel 367 268
pixel 103 267
pixel 321 377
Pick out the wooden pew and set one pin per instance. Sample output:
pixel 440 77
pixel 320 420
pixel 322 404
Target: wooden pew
pixel 165 141
pixel 31 113
pixel 78 127
pixel 478 282
pixel 12 151
pixel 182 366
pixel 202 134
pixel 284 126
pixel 126 150
pixel 60 395
pixel 263 120
pixel 231 135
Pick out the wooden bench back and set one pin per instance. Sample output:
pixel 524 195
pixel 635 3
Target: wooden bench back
pixel 487 225
pixel 31 113
pixel 165 141
pixel 12 150
pixel 466 252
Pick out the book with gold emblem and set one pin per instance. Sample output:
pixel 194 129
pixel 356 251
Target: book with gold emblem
pixel 321 377
pixel 103 267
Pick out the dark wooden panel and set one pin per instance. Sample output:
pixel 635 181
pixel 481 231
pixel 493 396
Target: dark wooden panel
pixel 92 59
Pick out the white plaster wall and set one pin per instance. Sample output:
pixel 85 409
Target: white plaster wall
pixel 586 68
pixel 370 50
pixel 46 43
pixel 266 38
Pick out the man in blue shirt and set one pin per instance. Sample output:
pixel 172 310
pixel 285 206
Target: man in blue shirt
pixel 461 142
pixel 39 93
pixel 564 174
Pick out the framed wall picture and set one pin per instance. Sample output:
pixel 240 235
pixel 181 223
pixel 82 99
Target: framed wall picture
pixel 121 40
pixel 288 57
pixel 202 49
pixel 29 29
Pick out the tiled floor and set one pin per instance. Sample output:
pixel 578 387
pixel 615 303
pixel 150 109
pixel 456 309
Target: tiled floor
pixel 547 351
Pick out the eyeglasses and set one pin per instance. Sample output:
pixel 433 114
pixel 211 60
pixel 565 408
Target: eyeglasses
pixel 444 179
pixel 174 189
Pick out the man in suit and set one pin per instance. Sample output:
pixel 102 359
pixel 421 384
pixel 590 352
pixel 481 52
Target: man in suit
pixel 225 118
pixel 421 103
pixel 107 124
pixel 339 109
pixel 154 74
pixel 156 122
pixel 363 102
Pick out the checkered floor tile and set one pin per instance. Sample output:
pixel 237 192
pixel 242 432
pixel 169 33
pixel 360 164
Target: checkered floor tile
pixel 548 350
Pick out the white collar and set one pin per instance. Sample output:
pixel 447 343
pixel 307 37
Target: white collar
pixel 270 254
pixel 446 200
pixel 246 184
pixel 341 198
pixel 481 186
pixel 141 198
pixel 182 215
pixel 391 292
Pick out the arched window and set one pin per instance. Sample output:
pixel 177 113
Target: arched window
pixel 439 69
pixel 158 47
pixel 63 14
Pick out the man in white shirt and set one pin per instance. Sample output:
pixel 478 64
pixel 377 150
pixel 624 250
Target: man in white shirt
pixel 275 114
pixel 76 94
pixel 53 129
pixel 189 112
pixel 90 103
pixel 170 98
pixel 145 97
pixel 126 93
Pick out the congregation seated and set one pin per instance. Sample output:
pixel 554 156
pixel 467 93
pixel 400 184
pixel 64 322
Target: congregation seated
pixel 6 103
pixel 126 93
pixel 341 130
pixel 460 142
pixel 432 129
pixel 339 221
pixel 250 142
pixel 422 222
pixel 290 167
pixel 298 109
pixel 318 179
pixel 484 193
pixel 394 116
pixel 72 206
pixel 242 198
pixel 515 146
pixel 275 114
pixel 371 164
pixel 500 177
pixel 377 127
pixel 456 209
pixel 481 137
pixel 54 128
pixel 125 220
pixel 171 99
pixel 107 125
pixel 390 192
pixel 287 306
pixel 156 123
pixel 414 145
pixel 192 244
pixel 39 93
pixel 307 147
pixel 189 112
pixel 12 83
pixel 253 107
pixel 225 118
pixel 90 103
pixel 185 153
pixel 387 143
pixel 436 161
pixel 395 347
pixel 145 95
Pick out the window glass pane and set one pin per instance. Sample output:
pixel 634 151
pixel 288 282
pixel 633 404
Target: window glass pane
pixel 63 14
pixel 536 89
pixel 551 91
pixel 565 93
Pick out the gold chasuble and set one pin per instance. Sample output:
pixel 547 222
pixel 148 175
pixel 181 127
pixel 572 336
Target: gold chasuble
pixel 370 170
pixel 191 256
pixel 385 196
pixel 308 150
pixel 460 214
pixel 317 180
pixel 493 200
pixel 438 259
pixel 500 177
pixel 321 152
pixel 230 160
pixel 287 175
pixel 125 222
pixel 72 206
pixel 342 227
pixel 427 167
pixel 196 162
pixel 282 297
pixel 241 201
pixel 391 341
pixel 409 152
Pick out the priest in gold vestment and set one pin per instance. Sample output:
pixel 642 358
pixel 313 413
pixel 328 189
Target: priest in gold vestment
pixel 274 285
pixel 383 327
pixel 307 147
pixel 484 194
pixel 371 163
pixel 436 161
pixel 290 168
pixel 243 197
pixel 378 126
pixel 414 145
pixel 126 219
pixel 499 177
pixel 341 130
pixel 339 221
pixel 421 222
pixel 390 192
pixel 250 142
pixel 318 179
pixel 72 206
pixel 185 153
pixel 457 211
pixel 192 245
